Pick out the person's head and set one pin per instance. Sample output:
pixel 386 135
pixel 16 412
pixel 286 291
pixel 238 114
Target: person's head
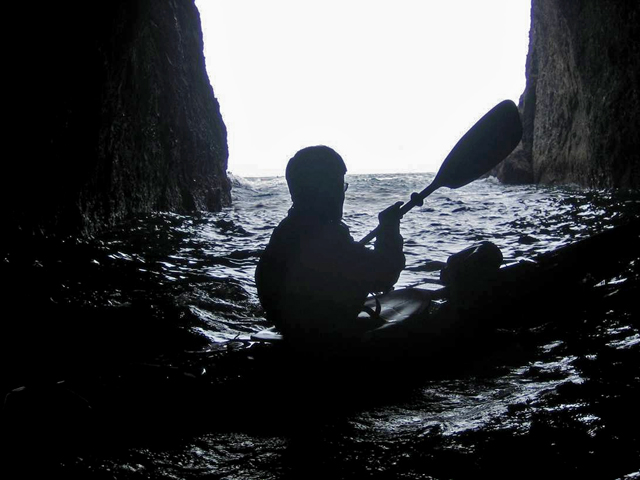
pixel 315 176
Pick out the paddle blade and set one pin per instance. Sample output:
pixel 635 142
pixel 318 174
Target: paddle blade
pixel 484 146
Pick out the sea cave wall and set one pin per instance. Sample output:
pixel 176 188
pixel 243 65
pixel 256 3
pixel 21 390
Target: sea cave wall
pixel 111 114
pixel 581 104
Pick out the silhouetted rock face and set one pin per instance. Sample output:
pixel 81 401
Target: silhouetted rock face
pixel 114 113
pixel 581 106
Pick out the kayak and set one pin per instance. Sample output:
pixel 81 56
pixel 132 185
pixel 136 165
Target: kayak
pixel 420 321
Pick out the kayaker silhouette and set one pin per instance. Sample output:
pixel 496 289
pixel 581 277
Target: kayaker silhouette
pixel 313 277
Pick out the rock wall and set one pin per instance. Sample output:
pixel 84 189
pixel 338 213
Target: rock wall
pixel 581 105
pixel 112 115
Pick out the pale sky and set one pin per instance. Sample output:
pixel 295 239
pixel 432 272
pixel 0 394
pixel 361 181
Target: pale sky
pixel 391 85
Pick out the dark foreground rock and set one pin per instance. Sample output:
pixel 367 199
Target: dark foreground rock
pixel 581 105
pixel 112 114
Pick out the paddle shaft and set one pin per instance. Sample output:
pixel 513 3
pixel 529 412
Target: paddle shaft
pixel 416 200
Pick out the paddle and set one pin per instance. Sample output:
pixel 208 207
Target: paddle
pixel 484 146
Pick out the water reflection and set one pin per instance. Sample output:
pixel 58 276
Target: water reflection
pixel 560 389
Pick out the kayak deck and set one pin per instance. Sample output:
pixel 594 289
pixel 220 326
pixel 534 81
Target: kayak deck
pixel 395 306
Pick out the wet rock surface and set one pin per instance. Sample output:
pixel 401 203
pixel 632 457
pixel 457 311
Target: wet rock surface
pixel 114 115
pixel 581 105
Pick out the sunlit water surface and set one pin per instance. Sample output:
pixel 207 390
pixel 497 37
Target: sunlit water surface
pixel 561 399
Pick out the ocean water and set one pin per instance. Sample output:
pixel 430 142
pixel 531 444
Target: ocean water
pixel 564 405
pixel 522 220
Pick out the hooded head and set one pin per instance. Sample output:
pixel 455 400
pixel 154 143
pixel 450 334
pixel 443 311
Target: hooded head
pixel 315 176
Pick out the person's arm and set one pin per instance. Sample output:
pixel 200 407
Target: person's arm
pixel 388 247
pixel 377 269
